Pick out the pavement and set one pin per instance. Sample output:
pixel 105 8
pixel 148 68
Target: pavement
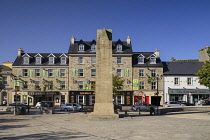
pixel 174 125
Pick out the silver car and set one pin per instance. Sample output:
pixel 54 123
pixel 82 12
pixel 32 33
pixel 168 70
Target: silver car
pixel 71 106
pixel 173 103
pixel 143 107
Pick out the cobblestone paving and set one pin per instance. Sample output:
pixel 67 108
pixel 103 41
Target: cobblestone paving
pixel 178 125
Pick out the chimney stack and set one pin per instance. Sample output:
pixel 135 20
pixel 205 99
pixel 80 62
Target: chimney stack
pixel 72 40
pixel 20 51
pixel 128 40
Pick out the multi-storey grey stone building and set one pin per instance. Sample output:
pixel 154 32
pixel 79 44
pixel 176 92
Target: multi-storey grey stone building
pixel 71 77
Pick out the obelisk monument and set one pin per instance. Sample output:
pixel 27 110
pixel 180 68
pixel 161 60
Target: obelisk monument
pixel 103 107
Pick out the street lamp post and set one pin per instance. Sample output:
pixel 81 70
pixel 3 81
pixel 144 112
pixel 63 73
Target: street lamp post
pixel 157 79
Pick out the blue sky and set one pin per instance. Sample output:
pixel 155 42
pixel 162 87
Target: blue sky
pixel 178 28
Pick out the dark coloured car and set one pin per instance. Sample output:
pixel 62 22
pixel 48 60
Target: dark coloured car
pixel 20 105
pixel 206 102
pixel 185 103
pixel 117 107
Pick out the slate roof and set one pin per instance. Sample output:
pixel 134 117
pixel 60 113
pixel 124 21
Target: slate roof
pixel 146 60
pixel 45 59
pixel 4 68
pixel 73 49
pixel 181 68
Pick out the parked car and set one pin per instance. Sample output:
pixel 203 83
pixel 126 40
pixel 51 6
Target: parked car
pixel 91 108
pixel 144 107
pixel 173 103
pixel 38 105
pixel 20 105
pixel 71 106
pixel 185 103
pixel 206 102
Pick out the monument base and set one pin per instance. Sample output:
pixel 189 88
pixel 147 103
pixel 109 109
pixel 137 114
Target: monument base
pixel 103 111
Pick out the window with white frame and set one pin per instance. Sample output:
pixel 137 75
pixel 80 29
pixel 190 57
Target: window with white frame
pixel 50 72
pixel 153 85
pixel 119 72
pixel 93 72
pixel 119 47
pixel 80 72
pixel 189 81
pixel 93 47
pixel 81 99
pixel 81 84
pixel 63 60
pixel 37 85
pixel 93 60
pixel 153 73
pixel 141 85
pixel 119 60
pixel 25 72
pixel 119 99
pixel 81 47
pixel 152 60
pixel 176 81
pixel 25 60
pixel 4 80
pixel 62 72
pixel 51 60
pixel 38 60
pixel 63 84
pixel 91 99
pixel 37 73
pixel 80 60
pixel 141 72
pixel 140 60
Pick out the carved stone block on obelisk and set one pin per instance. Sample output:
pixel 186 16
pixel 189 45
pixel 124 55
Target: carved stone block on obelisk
pixel 103 107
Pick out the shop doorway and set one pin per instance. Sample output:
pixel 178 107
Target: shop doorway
pixel 155 100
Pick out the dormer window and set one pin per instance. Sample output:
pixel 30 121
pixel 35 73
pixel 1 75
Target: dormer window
pixel 51 60
pixel 93 47
pixel 25 60
pixel 140 59
pixel 63 60
pixel 153 60
pixel 38 60
pixel 119 47
pixel 81 47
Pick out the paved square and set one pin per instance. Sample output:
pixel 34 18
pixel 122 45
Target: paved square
pixel 178 125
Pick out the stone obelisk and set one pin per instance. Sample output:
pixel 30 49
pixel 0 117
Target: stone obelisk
pixel 103 107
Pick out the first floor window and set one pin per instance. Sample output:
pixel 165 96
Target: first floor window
pixel 119 72
pixel 81 84
pixel 176 81
pixel 119 60
pixel 93 72
pixel 37 85
pixel 153 85
pixel 63 84
pixel 4 80
pixel 153 73
pixel 50 85
pixel 189 81
pixel 25 84
pixel 93 85
pixel 80 60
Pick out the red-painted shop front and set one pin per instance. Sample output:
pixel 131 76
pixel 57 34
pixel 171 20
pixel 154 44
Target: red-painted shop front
pixel 140 97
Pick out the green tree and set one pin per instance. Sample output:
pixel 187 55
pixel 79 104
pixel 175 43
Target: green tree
pixel 117 84
pixel 204 74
